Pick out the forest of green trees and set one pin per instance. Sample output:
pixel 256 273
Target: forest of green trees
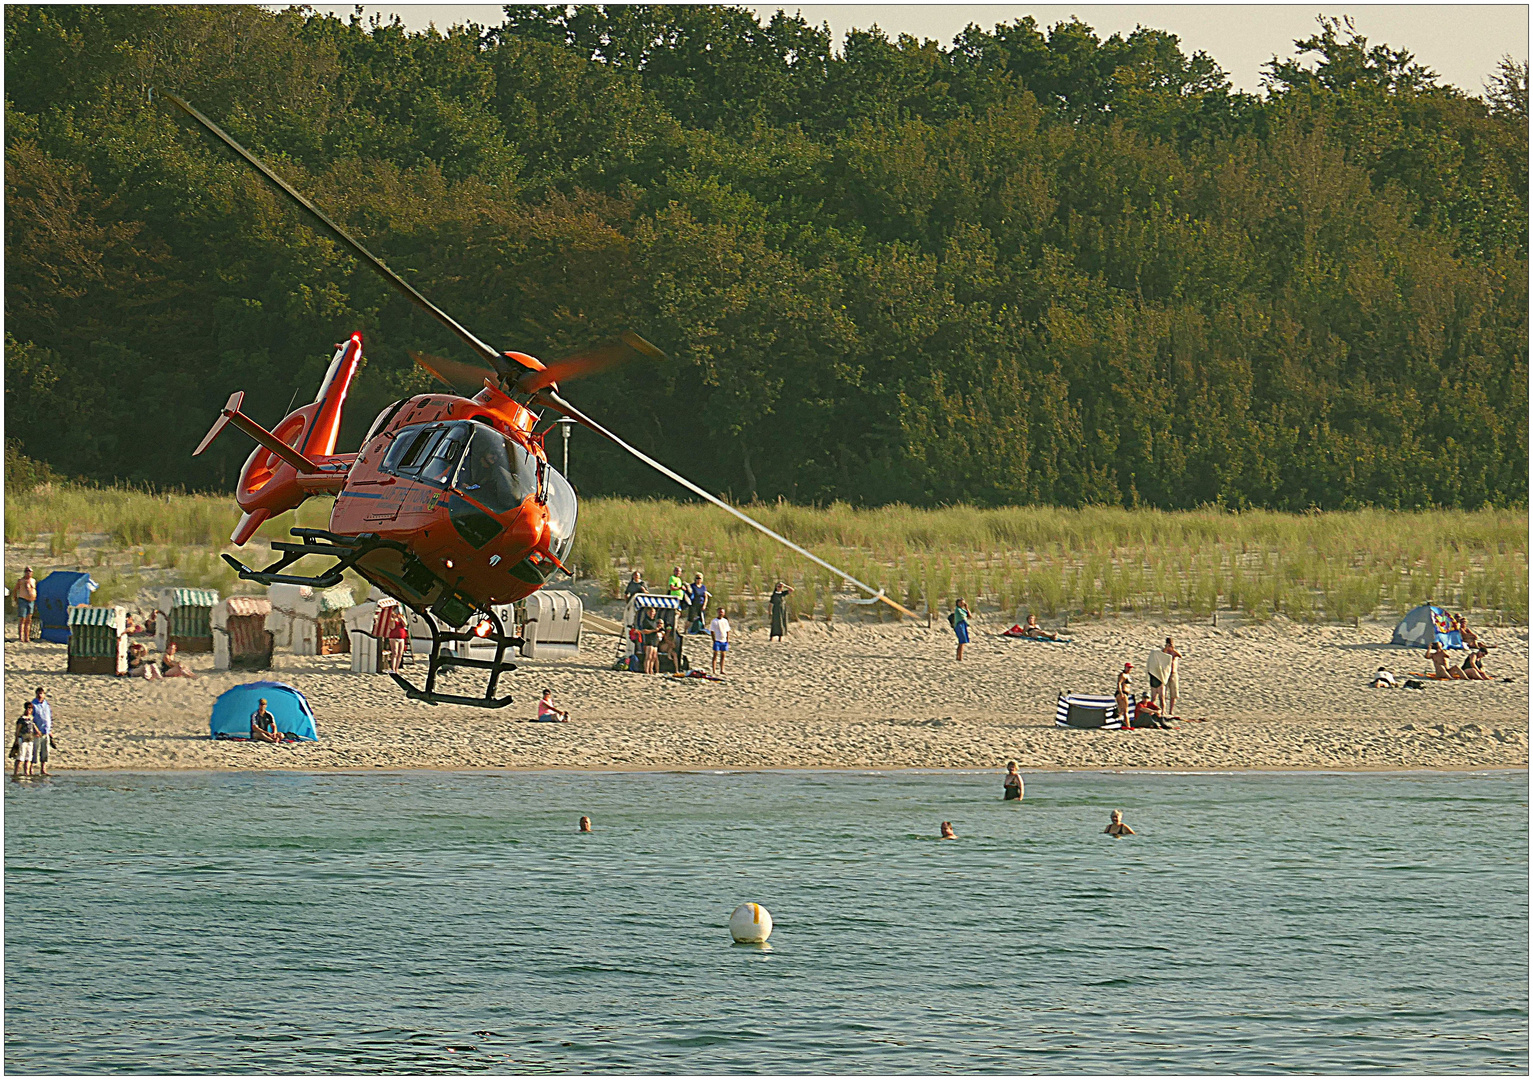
pixel 1030 266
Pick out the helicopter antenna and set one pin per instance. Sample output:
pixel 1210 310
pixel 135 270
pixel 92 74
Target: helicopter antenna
pixel 496 360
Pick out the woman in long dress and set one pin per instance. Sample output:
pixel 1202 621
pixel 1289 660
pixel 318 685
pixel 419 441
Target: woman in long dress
pixel 780 610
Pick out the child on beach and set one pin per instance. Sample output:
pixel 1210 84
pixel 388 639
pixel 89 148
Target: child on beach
pixel 719 629
pixel 21 747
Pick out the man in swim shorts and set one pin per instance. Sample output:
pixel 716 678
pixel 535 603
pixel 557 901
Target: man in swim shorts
pixel 719 630
pixel 26 603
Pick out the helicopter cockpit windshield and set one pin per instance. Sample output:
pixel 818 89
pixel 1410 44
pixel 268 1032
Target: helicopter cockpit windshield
pixel 561 513
pixel 497 472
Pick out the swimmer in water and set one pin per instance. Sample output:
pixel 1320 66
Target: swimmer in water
pixel 947 831
pixel 1013 782
pixel 585 824
pixel 1116 827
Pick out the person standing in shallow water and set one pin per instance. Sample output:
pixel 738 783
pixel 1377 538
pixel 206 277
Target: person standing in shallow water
pixel 947 831
pixel 1116 828
pixel 1012 785
pixel 959 621
pixel 779 599
pixel 585 824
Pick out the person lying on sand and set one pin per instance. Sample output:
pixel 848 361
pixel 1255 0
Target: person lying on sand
pixel 263 726
pixel 947 831
pixel 172 668
pixel 1382 678
pixel 1116 828
pixel 1033 630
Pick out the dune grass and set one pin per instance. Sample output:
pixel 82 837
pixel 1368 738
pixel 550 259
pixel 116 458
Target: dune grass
pixel 1054 562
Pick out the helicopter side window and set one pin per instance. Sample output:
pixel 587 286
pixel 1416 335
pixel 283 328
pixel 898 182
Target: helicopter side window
pixel 409 449
pixel 444 455
pixel 496 471
pixel 562 509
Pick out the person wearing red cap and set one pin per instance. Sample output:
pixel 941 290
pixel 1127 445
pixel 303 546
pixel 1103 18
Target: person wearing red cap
pixel 1123 691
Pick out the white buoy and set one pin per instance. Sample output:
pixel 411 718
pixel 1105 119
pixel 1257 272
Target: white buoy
pixel 751 923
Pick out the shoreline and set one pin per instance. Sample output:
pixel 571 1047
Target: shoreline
pixel 397 770
pixel 852 696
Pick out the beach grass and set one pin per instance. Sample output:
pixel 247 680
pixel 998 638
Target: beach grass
pixel 1057 563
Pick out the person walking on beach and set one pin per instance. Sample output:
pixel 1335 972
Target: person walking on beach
pixel 959 621
pixel 22 748
pixel 26 605
pixel 718 629
pixel 547 714
pixel 263 725
pixel 42 722
pixel 1012 785
pixel 1123 691
pixel 779 598
pixel 1116 828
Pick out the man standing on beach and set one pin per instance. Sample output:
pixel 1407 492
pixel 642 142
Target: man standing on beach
pixel 42 719
pixel 1168 702
pixel 719 629
pixel 26 604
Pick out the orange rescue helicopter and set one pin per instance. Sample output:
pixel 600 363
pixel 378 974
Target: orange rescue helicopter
pixel 451 505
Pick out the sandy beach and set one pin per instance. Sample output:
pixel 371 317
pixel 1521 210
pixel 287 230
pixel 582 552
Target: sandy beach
pixel 1273 696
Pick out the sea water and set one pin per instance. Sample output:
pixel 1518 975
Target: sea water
pixel 428 922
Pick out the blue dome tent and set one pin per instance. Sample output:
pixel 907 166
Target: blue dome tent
pixel 56 594
pixel 1424 625
pixel 289 708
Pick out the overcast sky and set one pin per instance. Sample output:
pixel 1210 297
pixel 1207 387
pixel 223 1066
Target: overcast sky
pixel 1462 43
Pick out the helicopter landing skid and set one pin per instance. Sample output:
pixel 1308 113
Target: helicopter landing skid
pixel 346 550
pixel 439 661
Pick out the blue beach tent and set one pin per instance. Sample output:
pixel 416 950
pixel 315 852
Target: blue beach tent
pixel 56 594
pixel 1424 625
pixel 289 708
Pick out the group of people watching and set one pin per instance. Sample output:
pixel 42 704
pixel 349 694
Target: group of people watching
pixel 659 641
pixel 1472 668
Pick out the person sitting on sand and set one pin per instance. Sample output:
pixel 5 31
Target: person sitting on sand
pixel 1012 785
pixel 1439 657
pixel 263 726
pixel 173 668
pixel 585 824
pixel 1116 828
pixel 139 664
pixel 1471 639
pixel 1033 630
pixel 1472 667
pixel 947 831
pixel 1146 708
pixel 547 714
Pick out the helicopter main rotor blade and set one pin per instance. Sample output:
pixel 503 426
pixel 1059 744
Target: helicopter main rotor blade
pixel 459 377
pixel 500 363
pixel 559 405
pixel 576 366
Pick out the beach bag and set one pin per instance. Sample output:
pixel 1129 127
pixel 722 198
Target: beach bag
pixel 952 618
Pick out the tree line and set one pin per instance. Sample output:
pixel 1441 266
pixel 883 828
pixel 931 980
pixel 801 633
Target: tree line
pixel 1033 266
